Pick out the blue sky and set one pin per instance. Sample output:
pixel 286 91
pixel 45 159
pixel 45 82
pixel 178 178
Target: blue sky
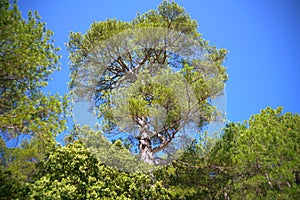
pixel 262 37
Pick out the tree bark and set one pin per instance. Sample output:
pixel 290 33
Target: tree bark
pixel 145 147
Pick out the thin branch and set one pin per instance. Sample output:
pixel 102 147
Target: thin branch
pixel 187 165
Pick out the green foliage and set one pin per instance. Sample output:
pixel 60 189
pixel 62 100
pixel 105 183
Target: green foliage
pixel 258 159
pixel 168 15
pixel 267 154
pixel 28 57
pixel 72 172
pixel 113 155
pixel 123 68
pixel 39 115
pixel 11 186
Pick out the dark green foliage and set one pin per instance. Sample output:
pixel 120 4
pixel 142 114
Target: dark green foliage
pixel 258 159
pixel 10 186
pixel 266 155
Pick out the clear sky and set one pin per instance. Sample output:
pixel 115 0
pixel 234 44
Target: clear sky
pixel 262 37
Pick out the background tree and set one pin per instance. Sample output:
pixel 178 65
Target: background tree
pixel 28 57
pixel 123 68
pixel 11 186
pixel 258 159
pixel 267 156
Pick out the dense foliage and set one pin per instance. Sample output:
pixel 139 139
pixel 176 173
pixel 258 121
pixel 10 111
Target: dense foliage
pixel 28 57
pixel 151 77
pixel 256 159
pixel 72 172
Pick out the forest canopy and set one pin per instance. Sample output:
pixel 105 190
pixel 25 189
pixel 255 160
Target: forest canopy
pixel 255 159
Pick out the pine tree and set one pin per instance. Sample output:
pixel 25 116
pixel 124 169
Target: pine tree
pixel 151 77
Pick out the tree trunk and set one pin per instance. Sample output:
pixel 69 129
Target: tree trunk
pixel 145 143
